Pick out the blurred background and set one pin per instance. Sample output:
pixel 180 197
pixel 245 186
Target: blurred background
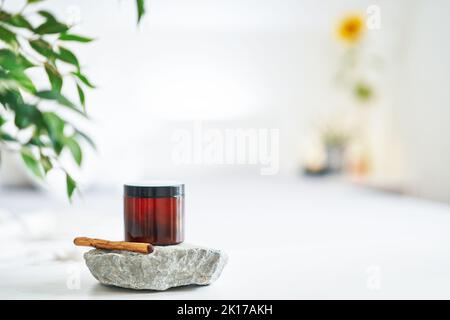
pixel 267 64
pixel 354 95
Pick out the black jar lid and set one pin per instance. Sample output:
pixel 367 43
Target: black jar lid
pixel 153 189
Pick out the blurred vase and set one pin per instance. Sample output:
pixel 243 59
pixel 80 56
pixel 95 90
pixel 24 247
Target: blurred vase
pixel 13 172
pixel 335 158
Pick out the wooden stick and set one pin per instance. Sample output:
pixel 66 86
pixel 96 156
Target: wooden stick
pixel 114 245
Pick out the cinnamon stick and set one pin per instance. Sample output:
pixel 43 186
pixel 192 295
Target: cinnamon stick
pixel 114 245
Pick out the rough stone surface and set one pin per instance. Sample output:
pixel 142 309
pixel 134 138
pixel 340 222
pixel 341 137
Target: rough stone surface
pixel 165 267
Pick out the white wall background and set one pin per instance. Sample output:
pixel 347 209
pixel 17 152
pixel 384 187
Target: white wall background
pixel 423 109
pixel 258 63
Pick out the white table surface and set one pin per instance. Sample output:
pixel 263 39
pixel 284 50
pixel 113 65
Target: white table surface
pixel 286 239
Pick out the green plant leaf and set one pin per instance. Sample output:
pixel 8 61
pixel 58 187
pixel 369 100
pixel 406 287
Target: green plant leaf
pixel 8 36
pixel 24 62
pixel 6 137
pixel 33 1
pixel 8 60
pixel 23 80
pixel 16 76
pixel 12 99
pixel 70 185
pixel 83 79
pixel 363 91
pixel 51 27
pixel 54 77
pixel 140 9
pixel 4 16
pixel 58 97
pixel 11 61
pixel 26 115
pixel 87 139
pixel 35 141
pixel 19 21
pixel 31 162
pixel 81 97
pixel 68 56
pixel 55 129
pixel 75 149
pixel 47 15
pixel 74 37
pixel 46 163
pixel 51 24
pixel 43 47
pixel 54 124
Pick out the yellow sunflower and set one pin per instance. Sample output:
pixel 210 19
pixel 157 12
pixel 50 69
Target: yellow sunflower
pixel 351 28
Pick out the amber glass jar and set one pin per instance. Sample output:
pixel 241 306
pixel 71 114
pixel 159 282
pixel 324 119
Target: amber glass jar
pixel 154 212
